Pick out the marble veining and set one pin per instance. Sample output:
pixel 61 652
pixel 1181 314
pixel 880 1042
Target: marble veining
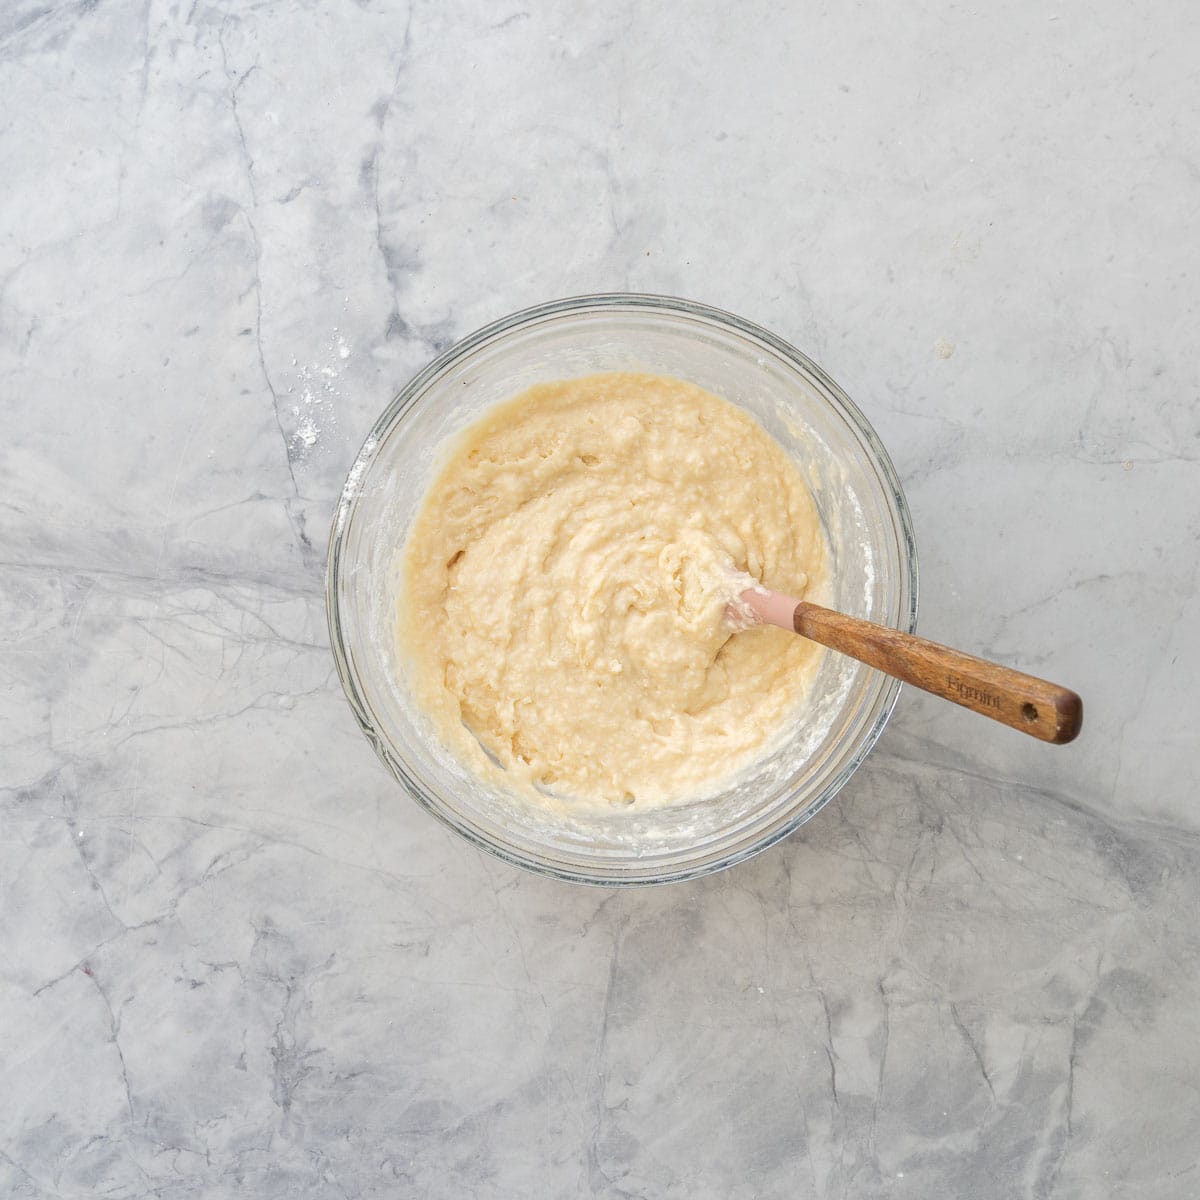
pixel 237 961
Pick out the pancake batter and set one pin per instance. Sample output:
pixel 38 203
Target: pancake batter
pixel 565 585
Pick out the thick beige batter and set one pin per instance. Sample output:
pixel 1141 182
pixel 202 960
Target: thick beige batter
pixel 565 584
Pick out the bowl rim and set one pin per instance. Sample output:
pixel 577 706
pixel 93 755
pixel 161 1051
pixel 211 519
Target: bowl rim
pixel 633 302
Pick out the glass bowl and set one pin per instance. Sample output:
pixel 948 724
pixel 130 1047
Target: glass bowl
pixel 858 496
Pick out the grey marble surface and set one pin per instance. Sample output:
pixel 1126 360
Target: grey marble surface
pixel 235 960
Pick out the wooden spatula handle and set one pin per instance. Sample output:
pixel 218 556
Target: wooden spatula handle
pixel 1031 705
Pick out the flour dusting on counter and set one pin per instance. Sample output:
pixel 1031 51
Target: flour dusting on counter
pixel 319 392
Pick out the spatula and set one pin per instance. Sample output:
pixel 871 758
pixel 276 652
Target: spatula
pixel 1028 704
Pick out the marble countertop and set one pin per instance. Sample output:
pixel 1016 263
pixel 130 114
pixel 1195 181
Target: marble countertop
pixel 236 960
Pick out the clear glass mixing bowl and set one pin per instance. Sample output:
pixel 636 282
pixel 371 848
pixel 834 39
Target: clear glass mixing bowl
pixel 866 520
